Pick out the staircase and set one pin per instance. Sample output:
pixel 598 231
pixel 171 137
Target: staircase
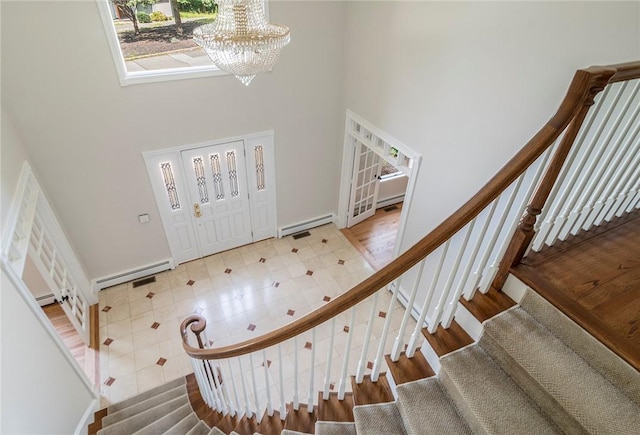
pixel 518 378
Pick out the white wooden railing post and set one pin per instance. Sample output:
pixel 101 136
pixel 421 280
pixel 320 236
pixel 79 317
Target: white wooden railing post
pixel 347 353
pixel 283 400
pixel 327 377
pixel 362 365
pixel 235 391
pixel 377 364
pixel 266 382
pixel 296 397
pixel 310 398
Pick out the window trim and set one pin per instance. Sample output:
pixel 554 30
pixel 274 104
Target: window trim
pixel 139 77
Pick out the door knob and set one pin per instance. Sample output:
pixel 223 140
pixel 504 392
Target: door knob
pixel 196 210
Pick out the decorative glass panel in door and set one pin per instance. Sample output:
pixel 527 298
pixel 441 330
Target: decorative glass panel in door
pixel 364 184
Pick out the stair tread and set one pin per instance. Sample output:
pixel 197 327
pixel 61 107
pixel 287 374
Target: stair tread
pixel 198 429
pixel 140 406
pixel 609 365
pixel 144 418
pixel 487 398
pixel 409 369
pixel 168 421
pixel 216 431
pixel 443 417
pixel 145 395
pixel 555 370
pixel 335 428
pixel 184 425
pixel 378 419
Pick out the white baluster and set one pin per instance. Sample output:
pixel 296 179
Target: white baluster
pixel 312 374
pixel 266 382
pixel 327 377
pixel 622 189
pixel 232 406
pixel 283 400
pixel 220 400
pixel 256 396
pixel 247 406
pixel 347 353
pixel 296 400
pixel 457 294
pixel 362 364
pixel 398 343
pixel 416 336
pixel 477 275
pixel 377 364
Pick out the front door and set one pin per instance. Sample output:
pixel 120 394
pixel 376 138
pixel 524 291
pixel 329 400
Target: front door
pixel 217 183
pixel 215 197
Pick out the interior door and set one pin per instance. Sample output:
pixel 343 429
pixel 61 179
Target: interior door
pixel 217 183
pixel 365 183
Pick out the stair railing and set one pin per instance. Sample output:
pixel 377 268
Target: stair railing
pixel 469 251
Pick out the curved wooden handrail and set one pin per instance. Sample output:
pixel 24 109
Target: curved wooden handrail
pixel 585 85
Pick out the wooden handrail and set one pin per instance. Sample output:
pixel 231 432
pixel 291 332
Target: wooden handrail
pixel 585 85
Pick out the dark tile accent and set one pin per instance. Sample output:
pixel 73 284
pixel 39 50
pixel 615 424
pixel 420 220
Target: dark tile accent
pixel 309 272
pixel 308 345
pixel 276 284
pixel 345 329
pixel 150 295
pixel 262 260
pixel 382 314
pixel 227 271
pixel 161 362
pixel 291 312
pixel 369 365
pixel 332 385
pixel 191 282
pixel 294 250
pixel 106 309
pixel 155 325
pixel 144 281
pixel 108 341
pixel 340 261
pixel 301 235
pixel 251 327
pixel 109 381
pixel 210 342
pixel 324 240
pixel 326 298
pixel 268 363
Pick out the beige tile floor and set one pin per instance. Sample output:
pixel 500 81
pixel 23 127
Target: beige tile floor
pixel 242 293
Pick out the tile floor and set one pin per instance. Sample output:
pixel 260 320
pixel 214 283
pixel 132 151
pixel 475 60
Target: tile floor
pixel 242 293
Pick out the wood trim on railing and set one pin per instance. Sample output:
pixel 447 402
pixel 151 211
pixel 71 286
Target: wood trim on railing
pixel 580 93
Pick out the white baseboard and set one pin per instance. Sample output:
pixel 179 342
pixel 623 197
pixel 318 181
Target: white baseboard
pixel 87 417
pixel 306 225
pixel 390 201
pixel 131 274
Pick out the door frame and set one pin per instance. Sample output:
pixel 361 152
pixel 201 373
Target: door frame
pixel 151 157
pixel 405 159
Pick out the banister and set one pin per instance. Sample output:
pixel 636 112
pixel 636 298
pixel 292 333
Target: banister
pixel 585 85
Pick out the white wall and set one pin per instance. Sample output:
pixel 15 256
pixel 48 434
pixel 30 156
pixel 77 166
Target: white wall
pixel 466 84
pixel 40 390
pixel 13 154
pixel 85 133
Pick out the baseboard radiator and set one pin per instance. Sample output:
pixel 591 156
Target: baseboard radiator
pixel 390 201
pixel 130 275
pixel 306 225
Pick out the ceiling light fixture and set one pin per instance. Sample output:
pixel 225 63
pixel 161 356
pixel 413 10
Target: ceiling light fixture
pixel 240 41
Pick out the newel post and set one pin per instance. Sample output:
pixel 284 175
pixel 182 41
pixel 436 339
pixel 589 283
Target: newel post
pixel 525 231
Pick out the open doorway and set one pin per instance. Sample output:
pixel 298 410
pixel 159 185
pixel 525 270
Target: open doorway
pixel 378 178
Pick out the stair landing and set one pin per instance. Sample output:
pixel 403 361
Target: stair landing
pixel 594 278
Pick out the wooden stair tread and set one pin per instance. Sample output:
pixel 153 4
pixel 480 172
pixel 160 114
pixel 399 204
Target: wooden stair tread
pixel 301 420
pixel 334 409
pixel 409 369
pixel 484 306
pixel 444 341
pixel 271 424
pixel 246 426
pixel 227 423
pixel 369 392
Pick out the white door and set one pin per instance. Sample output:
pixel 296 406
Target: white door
pixel 215 197
pixel 217 182
pixel 365 183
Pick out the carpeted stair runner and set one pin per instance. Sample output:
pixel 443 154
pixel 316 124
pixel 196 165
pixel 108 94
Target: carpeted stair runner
pixel 532 371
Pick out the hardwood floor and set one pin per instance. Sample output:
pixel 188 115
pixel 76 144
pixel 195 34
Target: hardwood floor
pixel 86 356
pixel 375 237
pixel 595 279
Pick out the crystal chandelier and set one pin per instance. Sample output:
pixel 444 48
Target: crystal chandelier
pixel 241 41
